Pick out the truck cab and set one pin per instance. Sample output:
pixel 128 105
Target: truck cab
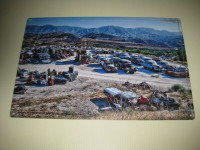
pixel 126 66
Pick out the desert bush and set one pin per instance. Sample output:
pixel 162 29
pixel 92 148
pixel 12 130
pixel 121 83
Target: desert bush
pixel 182 90
pixel 155 76
pixel 189 92
pixel 177 87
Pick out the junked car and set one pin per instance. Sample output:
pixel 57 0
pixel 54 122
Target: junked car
pixel 133 56
pixel 60 80
pixel 126 66
pixel 147 59
pixel 160 100
pixel 109 66
pixel 163 64
pixel 177 71
pixel 22 73
pixel 115 60
pixel 71 75
pixel 101 60
pixel 119 98
pixel 124 56
pixel 31 80
pixel 152 65
pixel 137 61
pixel 116 54
pixel 41 81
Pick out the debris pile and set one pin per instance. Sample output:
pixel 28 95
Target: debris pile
pixel 44 54
pixel 44 78
pixel 162 101
pixel 142 85
pixel 155 99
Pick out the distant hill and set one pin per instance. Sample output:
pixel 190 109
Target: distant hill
pixel 50 38
pixel 141 35
pixel 102 36
pixel 98 40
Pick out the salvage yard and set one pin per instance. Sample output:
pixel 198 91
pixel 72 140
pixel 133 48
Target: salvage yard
pixel 84 97
pixel 95 71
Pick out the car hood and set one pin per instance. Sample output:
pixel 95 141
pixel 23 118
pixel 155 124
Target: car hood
pixel 111 65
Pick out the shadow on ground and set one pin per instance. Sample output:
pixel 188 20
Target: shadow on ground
pixel 100 102
pixel 70 62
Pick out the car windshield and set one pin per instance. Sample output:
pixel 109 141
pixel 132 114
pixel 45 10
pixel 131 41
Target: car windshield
pixel 127 64
pixel 147 59
pixel 149 62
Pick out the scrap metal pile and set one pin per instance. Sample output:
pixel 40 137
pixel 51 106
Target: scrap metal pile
pixel 44 55
pixel 161 100
pixel 44 78
pixel 155 98
pixel 142 85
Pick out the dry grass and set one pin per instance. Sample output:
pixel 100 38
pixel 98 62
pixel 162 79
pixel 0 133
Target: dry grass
pixel 146 115
pixel 110 115
pixel 80 106
pixel 55 107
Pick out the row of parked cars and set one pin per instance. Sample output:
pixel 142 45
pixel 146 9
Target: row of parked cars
pixel 158 65
pixel 112 64
pixel 148 63
pixel 125 61
pixel 154 64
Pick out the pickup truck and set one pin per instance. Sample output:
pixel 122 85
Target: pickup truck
pixel 126 66
pixel 109 67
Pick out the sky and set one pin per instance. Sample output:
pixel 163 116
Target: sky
pixel 169 24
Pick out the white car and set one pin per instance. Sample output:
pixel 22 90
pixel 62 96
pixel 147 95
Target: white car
pixel 164 64
pixel 152 65
pixel 124 56
pixel 101 60
pixel 147 59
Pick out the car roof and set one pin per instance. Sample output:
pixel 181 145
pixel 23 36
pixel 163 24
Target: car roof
pixel 113 91
pixel 124 60
pixel 128 94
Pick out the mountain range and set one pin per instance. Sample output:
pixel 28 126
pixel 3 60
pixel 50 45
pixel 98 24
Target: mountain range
pixel 146 36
